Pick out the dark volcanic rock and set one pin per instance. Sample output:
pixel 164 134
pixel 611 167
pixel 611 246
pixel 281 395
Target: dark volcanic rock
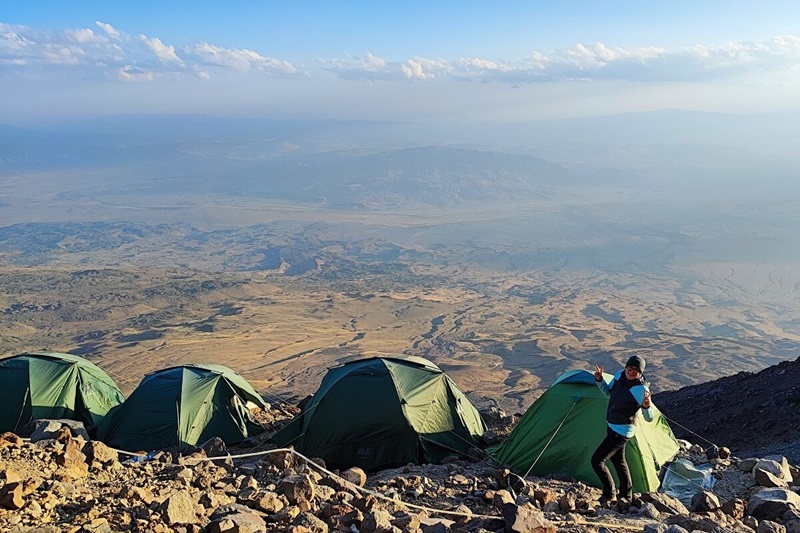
pixel 768 400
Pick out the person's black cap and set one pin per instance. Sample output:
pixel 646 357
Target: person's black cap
pixel 636 361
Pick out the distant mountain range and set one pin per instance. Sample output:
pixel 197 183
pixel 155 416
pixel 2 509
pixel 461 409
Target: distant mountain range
pixel 379 165
pixel 766 132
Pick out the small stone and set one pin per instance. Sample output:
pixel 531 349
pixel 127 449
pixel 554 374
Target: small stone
pixel 526 519
pixel 311 523
pixel 9 440
pixel 734 507
pixel 567 502
pixel 269 502
pixel 179 508
pixel 712 452
pixel 378 521
pixel 355 475
pixel 501 498
pixel 97 525
pixel 298 488
pixel 185 475
pixel 649 510
pixel 94 450
pixel 704 502
pixel 248 469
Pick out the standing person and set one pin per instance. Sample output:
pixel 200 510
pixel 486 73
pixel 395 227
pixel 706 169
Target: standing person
pixel 628 392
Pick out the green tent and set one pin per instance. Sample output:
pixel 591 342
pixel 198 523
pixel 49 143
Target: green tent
pixel 54 385
pixel 384 411
pixel 184 406
pixel 561 430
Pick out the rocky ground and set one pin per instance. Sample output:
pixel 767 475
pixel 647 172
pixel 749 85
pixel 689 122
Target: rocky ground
pixel 58 481
pixel 748 412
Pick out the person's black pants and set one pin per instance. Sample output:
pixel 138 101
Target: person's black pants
pixel 612 447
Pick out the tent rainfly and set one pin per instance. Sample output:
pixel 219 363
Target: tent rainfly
pixel 560 431
pixel 384 411
pixel 54 385
pixel 184 406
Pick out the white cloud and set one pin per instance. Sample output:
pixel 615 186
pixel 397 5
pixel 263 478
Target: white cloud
pixel 372 67
pixel 22 48
pixel 84 35
pixel 425 69
pixel 130 73
pixel 162 51
pixel 202 74
pixel 11 42
pixel 369 67
pixel 240 59
pixel 374 61
pixel 113 54
pixel 110 30
pixel 596 61
pixel 105 52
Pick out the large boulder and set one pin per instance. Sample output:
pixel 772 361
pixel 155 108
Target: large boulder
pixel 765 478
pixel 776 465
pixel 772 503
pixel 48 429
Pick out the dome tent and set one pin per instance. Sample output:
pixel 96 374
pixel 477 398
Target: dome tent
pixel 561 430
pixel 54 385
pixel 384 411
pixel 184 406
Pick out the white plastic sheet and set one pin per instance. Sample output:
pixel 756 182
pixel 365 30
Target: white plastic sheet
pixel 683 479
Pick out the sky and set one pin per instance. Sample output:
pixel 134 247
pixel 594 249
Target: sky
pixel 448 61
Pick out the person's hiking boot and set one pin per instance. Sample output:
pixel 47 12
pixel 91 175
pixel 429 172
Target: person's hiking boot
pixel 622 505
pixel 607 502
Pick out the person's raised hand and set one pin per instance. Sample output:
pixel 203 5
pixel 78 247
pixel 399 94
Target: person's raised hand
pixel 598 372
pixel 646 403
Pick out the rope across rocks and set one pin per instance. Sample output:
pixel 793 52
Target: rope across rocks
pixel 196 460
pixel 376 494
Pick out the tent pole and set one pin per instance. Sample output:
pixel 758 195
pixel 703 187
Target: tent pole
pixel 22 409
pixel 551 439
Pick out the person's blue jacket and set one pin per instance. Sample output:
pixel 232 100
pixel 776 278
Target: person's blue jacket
pixel 625 400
